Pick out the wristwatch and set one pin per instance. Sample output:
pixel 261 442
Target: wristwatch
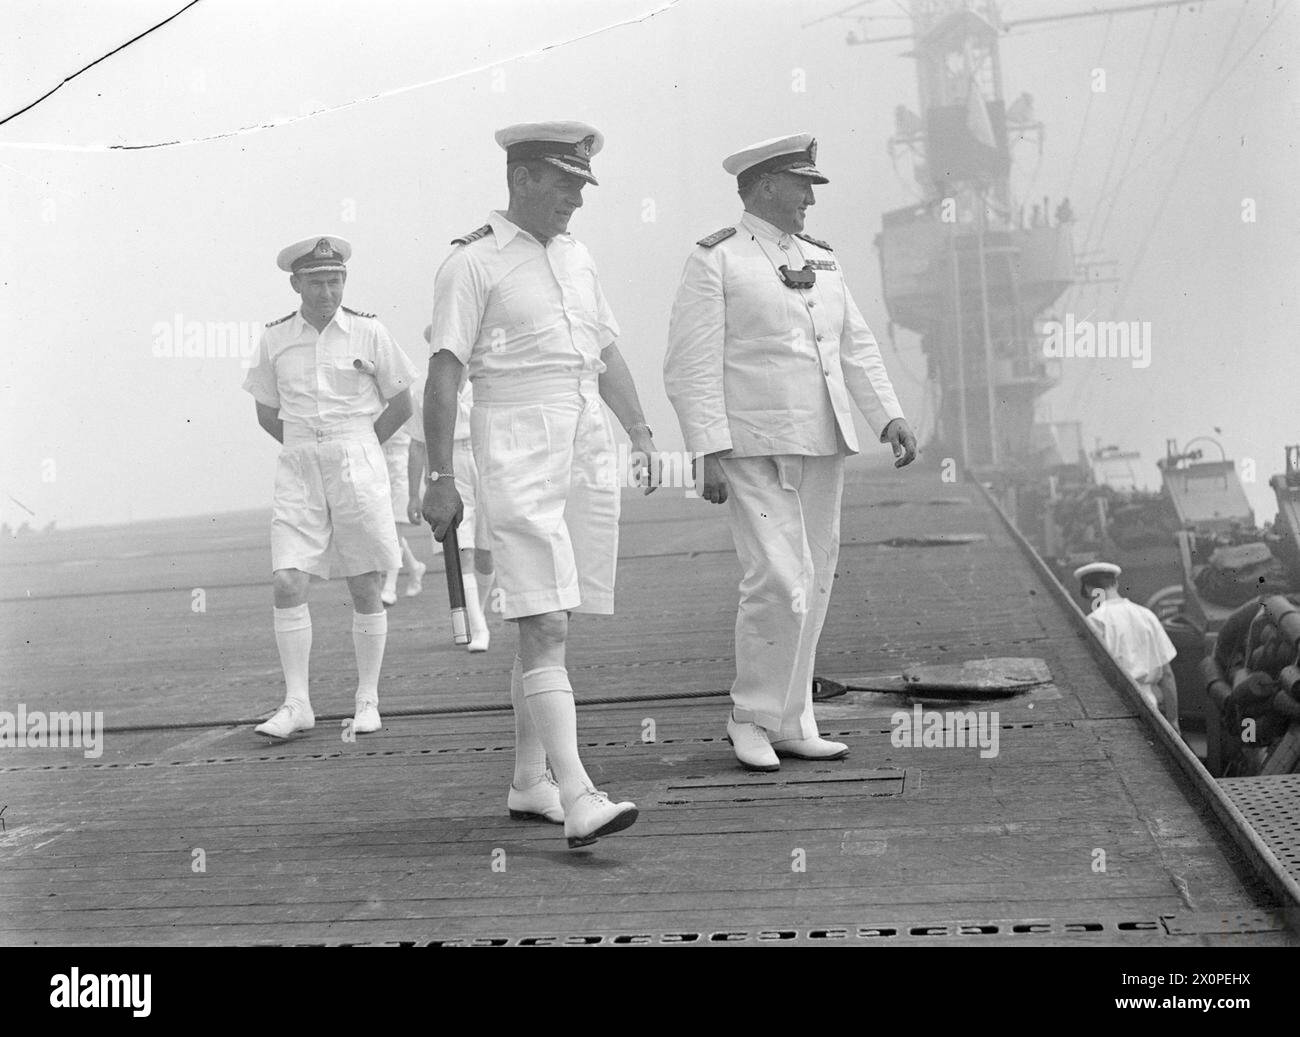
pixel 433 477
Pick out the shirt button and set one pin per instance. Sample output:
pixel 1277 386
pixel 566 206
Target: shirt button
pixel 812 303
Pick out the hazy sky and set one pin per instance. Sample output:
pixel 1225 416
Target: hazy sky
pixel 102 246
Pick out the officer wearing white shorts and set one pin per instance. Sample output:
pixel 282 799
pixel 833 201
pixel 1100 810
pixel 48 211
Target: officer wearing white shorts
pixel 331 385
pixel 475 557
pixel 766 347
pixel 520 303
pixel 404 494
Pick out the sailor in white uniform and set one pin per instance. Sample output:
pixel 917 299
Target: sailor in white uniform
pixel 519 302
pixel 405 497
pixel 766 348
pixel 1133 636
pixel 331 385
pixel 475 556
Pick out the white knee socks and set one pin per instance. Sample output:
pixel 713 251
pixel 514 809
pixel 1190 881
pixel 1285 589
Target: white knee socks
pixel 530 754
pixel 369 634
pixel 550 702
pixel 293 638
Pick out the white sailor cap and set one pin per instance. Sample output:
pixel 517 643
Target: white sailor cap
pixel 794 154
pixel 1097 567
pixel 568 145
pixel 321 252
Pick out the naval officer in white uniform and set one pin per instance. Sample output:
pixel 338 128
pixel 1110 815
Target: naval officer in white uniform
pixel 766 348
pixel 330 385
pixel 519 302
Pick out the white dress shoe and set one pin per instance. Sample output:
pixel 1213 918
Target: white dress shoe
pixel 810 748
pixel 416 582
pixel 539 802
pixel 289 719
pixel 366 721
pixel 388 595
pixel 752 747
pixel 479 643
pixel 593 816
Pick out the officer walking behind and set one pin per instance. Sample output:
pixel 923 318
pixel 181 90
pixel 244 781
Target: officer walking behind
pixel 1133 636
pixel 331 386
pixel 765 349
pixel 475 557
pixel 520 303
pixel 406 512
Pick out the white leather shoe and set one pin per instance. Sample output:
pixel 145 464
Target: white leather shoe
pixel 289 719
pixel 810 748
pixel 388 595
pixel 538 802
pixel 751 745
pixel 593 816
pixel 415 583
pixel 479 642
pixel 366 721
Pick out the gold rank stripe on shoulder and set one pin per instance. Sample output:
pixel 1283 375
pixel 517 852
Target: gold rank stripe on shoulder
pixel 473 235
pixel 287 316
pixel 716 236
pixel 815 241
pixel 356 313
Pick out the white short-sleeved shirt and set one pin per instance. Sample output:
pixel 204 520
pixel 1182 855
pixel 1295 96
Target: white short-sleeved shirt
pixel 464 404
pixel 310 375
pixel 1134 638
pixel 509 307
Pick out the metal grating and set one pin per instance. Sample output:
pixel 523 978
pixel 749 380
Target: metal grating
pixel 1271 804
pixel 1113 930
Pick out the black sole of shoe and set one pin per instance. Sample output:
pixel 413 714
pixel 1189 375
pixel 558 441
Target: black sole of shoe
pixel 624 820
pixel 525 815
pixel 811 759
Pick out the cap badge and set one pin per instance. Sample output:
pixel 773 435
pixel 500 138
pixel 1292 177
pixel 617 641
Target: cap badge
pixel 584 146
pixel 812 151
pixel 324 250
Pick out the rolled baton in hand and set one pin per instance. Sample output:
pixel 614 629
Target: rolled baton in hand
pixel 455 587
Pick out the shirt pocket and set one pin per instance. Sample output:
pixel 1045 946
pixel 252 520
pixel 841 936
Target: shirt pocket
pixel 343 378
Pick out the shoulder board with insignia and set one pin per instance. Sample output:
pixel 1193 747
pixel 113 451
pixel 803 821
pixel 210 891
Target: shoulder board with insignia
pixel 815 241
pixel 273 323
pixel 357 313
pixel 717 236
pixel 473 235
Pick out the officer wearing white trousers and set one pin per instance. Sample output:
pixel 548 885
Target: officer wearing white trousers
pixel 766 349
pixel 520 304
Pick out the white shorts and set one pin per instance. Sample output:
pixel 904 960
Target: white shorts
pixel 332 513
pixel 396 456
pixel 468 533
pixel 548 501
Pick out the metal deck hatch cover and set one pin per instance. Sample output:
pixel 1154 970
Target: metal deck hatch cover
pixel 1271 804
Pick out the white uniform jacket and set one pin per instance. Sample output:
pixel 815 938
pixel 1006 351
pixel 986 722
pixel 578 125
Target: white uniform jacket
pixel 758 368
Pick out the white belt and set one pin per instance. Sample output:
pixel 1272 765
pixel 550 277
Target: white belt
pixel 544 389
pixel 301 435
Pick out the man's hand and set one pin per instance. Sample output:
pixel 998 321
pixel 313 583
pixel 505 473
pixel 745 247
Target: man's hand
pixel 413 510
pixel 715 487
pixel 442 507
pixel 646 470
pixel 898 433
